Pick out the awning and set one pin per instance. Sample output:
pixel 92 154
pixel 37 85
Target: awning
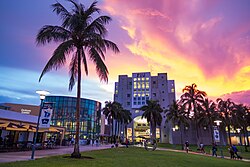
pixel 12 126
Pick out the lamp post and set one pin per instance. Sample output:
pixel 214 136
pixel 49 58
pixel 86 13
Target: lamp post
pixel 218 124
pixel 42 94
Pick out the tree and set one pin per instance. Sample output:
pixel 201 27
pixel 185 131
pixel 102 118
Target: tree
pixel 80 35
pixel 110 112
pixel 240 120
pixel 176 115
pixel 152 112
pixel 208 115
pixel 225 108
pixel 191 100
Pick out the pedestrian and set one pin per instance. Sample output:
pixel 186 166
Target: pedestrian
pixel 235 150
pixel 187 146
pixel 214 150
pixel 126 142
pixel 231 152
pixel 202 148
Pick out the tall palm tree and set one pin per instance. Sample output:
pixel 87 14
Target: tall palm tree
pixel 191 99
pixel 208 115
pixel 240 119
pixel 152 112
pixel 225 108
pixel 80 35
pixel 176 115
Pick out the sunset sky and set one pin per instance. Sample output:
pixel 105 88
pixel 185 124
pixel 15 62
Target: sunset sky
pixel 206 42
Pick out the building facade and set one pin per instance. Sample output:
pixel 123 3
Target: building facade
pixel 133 92
pixel 64 115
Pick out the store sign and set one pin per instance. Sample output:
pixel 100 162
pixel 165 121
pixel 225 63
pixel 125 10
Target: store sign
pixel 216 135
pixel 46 114
pixel 25 111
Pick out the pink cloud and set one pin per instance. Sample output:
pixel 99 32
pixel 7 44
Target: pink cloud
pixel 239 97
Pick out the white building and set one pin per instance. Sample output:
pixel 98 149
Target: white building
pixel 133 92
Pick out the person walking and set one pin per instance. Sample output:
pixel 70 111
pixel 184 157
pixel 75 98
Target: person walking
pixel 202 148
pixel 214 150
pixel 187 146
pixel 126 142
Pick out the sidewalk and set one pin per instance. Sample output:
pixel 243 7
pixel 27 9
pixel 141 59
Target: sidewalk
pixel 25 155
pixel 196 153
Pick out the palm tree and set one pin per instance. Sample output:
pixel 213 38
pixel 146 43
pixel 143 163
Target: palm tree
pixel 176 115
pixel 208 115
pixel 152 112
pixel 225 108
pixel 126 119
pixel 191 99
pixel 80 35
pixel 112 112
pixel 240 119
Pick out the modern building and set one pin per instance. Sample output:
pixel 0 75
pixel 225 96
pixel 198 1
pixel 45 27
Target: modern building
pixel 64 115
pixel 133 92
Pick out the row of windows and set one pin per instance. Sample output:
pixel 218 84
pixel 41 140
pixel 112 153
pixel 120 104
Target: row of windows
pixel 141 79
pixel 141 95
pixel 141 98
pixel 139 102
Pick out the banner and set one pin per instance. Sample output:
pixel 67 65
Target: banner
pixel 46 114
pixel 216 135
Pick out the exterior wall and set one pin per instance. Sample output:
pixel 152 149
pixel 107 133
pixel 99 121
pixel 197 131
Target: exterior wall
pixel 159 88
pixel 64 115
pixel 23 108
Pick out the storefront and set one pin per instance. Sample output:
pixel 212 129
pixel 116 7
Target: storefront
pixel 17 130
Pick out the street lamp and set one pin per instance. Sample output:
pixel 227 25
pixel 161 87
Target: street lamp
pixel 42 94
pixel 218 124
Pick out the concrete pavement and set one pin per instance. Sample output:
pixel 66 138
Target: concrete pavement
pixel 25 155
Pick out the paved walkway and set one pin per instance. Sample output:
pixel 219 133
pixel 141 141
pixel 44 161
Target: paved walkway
pixel 196 153
pixel 25 155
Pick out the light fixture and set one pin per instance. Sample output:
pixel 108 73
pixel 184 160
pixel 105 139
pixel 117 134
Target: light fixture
pixel 217 122
pixel 42 94
pixel 173 129
pixel 238 130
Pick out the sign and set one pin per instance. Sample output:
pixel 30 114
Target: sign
pixel 216 135
pixel 25 111
pixel 46 114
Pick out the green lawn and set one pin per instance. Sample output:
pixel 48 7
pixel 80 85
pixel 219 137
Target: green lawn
pixel 130 157
pixel 208 149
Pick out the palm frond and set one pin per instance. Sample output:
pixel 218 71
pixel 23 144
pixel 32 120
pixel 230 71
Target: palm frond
pixel 73 71
pixel 48 33
pixel 59 57
pixel 85 63
pixel 101 68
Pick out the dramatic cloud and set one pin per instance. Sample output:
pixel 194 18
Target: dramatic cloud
pixel 200 42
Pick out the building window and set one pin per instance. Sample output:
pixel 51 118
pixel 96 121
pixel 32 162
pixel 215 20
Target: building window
pixel 164 126
pixel 139 103
pixel 165 135
pixel 143 102
pixel 154 82
pixel 128 95
pixel 162 91
pixel 128 103
pixel 163 99
pixel 134 102
pixel 162 84
pixel 172 90
pixel 154 94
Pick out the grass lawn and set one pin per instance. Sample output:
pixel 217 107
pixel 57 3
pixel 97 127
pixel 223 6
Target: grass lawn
pixel 208 149
pixel 130 157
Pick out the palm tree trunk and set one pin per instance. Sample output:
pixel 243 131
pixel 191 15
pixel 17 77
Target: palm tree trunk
pixel 245 141
pixel 212 133
pixel 181 138
pixel 76 153
pixel 229 136
pixel 197 132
